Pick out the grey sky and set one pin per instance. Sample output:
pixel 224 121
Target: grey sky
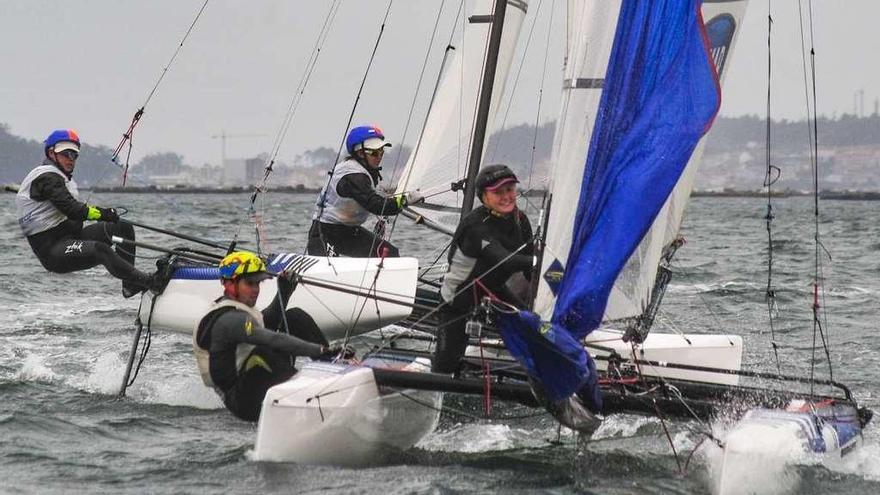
pixel 90 64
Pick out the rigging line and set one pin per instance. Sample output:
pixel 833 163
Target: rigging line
pixel 292 107
pixel 354 107
pixel 312 62
pixel 805 69
pixel 522 62
pixel 377 239
pixel 449 48
pixel 770 293
pixel 419 87
pixel 817 323
pixel 458 145
pixel 473 282
pixel 541 92
pixel 823 327
pixel 127 136
pixel 409 116
pixel 658 412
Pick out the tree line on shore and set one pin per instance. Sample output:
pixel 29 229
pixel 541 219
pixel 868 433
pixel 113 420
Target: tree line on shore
pixel 524 147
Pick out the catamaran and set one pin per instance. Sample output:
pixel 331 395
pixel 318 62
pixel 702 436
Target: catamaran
pixel 641 88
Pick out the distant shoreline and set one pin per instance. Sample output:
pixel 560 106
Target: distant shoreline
pixel 727 193
pixel 300 189
pixel 848 195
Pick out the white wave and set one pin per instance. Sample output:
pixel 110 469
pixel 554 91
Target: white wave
pixel 619 425
pixel 482 437
pixel 34 368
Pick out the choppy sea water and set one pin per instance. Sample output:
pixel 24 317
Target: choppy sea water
pixel 64 340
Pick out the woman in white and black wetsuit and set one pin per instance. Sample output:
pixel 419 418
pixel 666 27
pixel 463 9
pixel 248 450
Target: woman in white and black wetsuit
pixel 348 199
pixel 242 352
pixel 51 217
pixel 491 244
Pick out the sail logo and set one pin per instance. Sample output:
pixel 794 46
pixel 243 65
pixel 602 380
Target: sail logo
pixel 720 30
pixel 553 276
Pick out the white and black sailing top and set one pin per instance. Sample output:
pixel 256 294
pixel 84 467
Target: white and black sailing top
pixel 224 338
pixel 491 248
pixel 350 196
pixel 47 198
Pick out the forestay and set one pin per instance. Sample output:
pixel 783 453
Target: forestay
pixel 441 155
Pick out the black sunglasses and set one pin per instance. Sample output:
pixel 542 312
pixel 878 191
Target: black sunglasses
pixel 69 154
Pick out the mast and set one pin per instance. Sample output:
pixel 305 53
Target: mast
pixel 479 136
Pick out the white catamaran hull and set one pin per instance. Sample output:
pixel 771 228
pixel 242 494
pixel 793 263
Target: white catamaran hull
pixel 191 291
pixel 762 448
pixel 337 414
pixel 702 350
pixel 694 350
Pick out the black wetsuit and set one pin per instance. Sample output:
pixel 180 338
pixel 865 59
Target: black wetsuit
pixel 340 239
pixel 70 247
pixel 270 362
pixel 487 249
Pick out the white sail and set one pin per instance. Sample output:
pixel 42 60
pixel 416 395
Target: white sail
pixel 589 38
pixel 591 30
pixel 441 155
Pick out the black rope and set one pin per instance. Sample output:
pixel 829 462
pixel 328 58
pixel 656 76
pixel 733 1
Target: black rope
pixel 818 327
pixel 147 340
pixel 449 48
pixel 516 78
pixel 354 107
pixel 129 133
pixel 292 107
pixel 541 95
pixel 409 118
pixel 770 178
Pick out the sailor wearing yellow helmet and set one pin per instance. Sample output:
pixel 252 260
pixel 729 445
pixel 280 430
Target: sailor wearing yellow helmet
pixel 240 351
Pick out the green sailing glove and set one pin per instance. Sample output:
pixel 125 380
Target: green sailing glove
pixel 102 214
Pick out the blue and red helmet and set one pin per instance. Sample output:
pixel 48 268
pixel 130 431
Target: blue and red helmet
pixel 365 136
pixel 65 138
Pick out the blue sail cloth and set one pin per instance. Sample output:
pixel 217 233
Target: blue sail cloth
pixel 660 96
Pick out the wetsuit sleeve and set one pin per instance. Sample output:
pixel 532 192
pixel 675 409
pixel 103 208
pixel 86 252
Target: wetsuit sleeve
pixel 478 241
pixel 50 187
pixel 237 327
pixel 272 315
pixel 359 187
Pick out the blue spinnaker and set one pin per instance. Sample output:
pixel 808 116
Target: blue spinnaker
pixel 660 96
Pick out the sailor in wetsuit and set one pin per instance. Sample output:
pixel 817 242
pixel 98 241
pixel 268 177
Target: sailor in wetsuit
pixel 51 217
pixel 491 244
pixel 350 196
pixel 237 353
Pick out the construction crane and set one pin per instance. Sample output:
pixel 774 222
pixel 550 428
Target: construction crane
pixel 223 136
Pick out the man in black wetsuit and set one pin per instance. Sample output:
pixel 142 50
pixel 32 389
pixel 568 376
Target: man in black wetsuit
pixel 51 217
pixel 237 353
pixel 491 244
pixel 349 198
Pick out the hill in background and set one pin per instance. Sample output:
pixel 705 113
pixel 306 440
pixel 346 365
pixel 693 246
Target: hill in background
pixel 735 158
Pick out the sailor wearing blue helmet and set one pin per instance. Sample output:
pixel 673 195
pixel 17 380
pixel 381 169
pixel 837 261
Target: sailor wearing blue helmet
pixel 350 197
pixel 51 217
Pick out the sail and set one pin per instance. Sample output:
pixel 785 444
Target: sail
pixel 659 96
pixel 590 27
pixel 440 157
